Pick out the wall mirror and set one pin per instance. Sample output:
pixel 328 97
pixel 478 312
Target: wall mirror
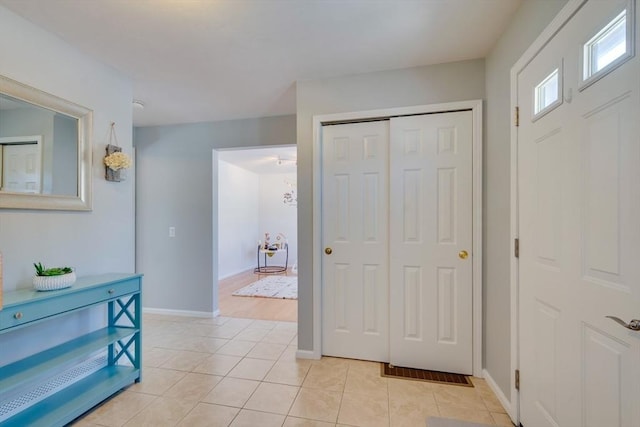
pixel 45 150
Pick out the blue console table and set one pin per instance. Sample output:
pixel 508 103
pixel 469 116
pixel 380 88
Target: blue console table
pixel 56 385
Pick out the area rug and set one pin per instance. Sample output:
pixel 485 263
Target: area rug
pixel 283 287
pixel 447 422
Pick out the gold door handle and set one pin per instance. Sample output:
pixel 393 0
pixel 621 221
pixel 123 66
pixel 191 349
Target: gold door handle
pixel 328 251
pixel 463 254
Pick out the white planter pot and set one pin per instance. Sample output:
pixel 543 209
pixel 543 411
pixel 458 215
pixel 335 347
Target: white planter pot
pixel 51 283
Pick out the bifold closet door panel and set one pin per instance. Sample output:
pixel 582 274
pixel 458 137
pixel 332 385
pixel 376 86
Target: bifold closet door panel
pixel 430 242
pixel 355 207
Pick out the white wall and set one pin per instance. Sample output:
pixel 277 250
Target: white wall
pixel 432 84
pixel 248 206
pixel 93 242
pixel 530 19
pixel 238 219
pixel 275 216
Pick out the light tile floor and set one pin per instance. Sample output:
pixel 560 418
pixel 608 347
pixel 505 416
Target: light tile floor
pixel 243 372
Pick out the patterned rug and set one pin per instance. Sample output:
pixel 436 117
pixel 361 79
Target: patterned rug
pixel 283 287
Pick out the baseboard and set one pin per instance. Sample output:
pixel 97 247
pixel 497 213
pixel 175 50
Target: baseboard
pixel 506 403
pixel 185 313
pixel 307 354
pixel 235 273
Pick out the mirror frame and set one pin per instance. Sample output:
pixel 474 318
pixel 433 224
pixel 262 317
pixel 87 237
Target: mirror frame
pixel 82 201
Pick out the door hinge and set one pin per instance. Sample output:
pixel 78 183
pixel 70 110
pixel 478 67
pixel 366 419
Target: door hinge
pixel 517 117
pixel 516 248
pixel 517 379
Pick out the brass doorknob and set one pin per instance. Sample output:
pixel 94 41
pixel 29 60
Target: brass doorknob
pixel 328 251
pixel 463 254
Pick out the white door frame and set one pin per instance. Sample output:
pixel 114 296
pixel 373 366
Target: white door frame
pixel 540 42
pixel 318 121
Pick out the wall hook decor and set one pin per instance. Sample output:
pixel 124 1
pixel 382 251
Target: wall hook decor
pixel 115 161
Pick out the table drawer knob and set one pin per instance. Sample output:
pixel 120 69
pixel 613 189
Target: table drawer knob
pixel 17 316
pixel 111 291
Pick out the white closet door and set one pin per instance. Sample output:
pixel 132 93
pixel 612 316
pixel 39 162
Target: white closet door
pixel 430 233
pixel 355 207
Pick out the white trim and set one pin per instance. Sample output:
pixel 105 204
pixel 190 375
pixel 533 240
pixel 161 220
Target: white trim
pixel 499 394
pixel 307 354
pixel 248 268
pixel 184 313
pixel 540 42
pixel 316 250
pixel 559 70
pixel 477 237
pixel 215 243
pixel 629 9
pixel 476 107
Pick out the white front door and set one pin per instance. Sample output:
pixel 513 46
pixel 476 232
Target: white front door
pixel 431 230
pixel 578 210
pixel 21 168
pixel 355 205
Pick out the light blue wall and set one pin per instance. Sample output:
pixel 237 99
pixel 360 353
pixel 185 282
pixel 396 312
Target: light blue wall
pixel 93 242
pixel 176 187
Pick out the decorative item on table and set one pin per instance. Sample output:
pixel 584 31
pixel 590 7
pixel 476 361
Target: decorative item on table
pixel 268 247
pixel 282 240
pixel 51 279
pixel 115 161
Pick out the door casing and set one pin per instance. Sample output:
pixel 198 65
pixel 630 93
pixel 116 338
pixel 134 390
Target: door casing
pixel 475 106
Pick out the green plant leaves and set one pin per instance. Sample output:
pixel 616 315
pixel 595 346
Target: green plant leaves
pixel 55 271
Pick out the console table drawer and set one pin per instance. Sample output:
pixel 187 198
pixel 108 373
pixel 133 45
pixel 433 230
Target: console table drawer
pixel 40 309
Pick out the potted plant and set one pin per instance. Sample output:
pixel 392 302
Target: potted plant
pixel 49 279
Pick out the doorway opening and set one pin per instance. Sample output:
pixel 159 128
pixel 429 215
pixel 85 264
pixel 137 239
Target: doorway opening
pixel 257 233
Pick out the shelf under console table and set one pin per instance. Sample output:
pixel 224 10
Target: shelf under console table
pixel 58 384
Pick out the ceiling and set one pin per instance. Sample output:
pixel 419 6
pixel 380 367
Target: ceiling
pixel 208 60
pixel 263 161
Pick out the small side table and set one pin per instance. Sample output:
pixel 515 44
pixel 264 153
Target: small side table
pixel 265 268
